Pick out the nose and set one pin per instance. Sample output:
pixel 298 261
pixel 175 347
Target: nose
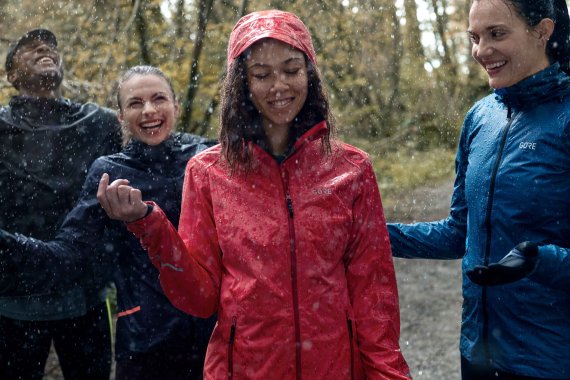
pixel 483 49
pixel 280 83
pixel 148 108
pixel 44 47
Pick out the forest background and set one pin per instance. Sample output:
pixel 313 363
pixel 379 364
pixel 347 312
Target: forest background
pixel 400 79
pixel 398 72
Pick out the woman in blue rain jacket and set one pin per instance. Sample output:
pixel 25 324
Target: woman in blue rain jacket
pixel 512 186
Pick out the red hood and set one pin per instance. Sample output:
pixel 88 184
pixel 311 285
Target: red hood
pixel 280 25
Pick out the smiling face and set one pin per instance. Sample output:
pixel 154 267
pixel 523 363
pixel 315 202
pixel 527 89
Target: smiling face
pixel 147 108
pixel 278 82
pixel 36 67
pixel 504 45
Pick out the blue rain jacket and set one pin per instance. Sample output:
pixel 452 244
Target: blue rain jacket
pixel 91 249
pixel 512 185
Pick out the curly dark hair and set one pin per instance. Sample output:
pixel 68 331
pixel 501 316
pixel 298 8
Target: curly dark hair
pixel 240 121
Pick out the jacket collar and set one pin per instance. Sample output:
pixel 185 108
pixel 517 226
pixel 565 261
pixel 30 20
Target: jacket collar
pixel 40 108
pixel 162 152
pixel 548 84
pixel 315 132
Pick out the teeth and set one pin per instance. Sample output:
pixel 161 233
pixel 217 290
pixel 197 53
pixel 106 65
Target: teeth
pixel 280 103
pixel 495 65
pixel 46 60
pixel 151 124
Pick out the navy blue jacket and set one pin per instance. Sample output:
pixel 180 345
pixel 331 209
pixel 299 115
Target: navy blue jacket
pixel 46 148
pixel 91 249
pixel 512 185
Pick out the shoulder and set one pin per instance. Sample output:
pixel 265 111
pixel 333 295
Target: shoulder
pixel 191 139
pixel 6 116
pixel 104 164
pixel 4 110
pixel 486 111
pixel 351 154
pixel 102 114
pixel 207 157
pixel 488 103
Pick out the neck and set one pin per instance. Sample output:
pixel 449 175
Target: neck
pixel 41 93
pixel 277 138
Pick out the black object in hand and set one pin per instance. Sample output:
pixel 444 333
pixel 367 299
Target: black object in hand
pixel 517 264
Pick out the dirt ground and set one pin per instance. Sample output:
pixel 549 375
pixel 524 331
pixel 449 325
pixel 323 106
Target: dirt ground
pixel 430 293
pixel 430 296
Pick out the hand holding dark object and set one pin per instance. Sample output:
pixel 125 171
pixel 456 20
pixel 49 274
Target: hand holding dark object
pixel 517 264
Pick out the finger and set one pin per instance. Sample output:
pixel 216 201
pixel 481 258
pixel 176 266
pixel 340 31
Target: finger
pixel 116 197
pixel 135 196
pixel 102 193
pixel 124 195
pixel 139 207
pixel 478 274
pixel 478 270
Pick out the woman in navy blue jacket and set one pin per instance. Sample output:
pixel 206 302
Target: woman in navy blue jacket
pixel 154 339
pixel 510 211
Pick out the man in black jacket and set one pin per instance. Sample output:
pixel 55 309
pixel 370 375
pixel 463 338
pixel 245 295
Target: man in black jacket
pixel 47 143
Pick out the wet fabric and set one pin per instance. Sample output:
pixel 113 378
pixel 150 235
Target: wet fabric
pixel 46 148
pixel 280 25
pixel 91 248
pixel 294 258
pixel 512 185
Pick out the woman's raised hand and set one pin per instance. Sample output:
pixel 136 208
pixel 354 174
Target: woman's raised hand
pixel 120 201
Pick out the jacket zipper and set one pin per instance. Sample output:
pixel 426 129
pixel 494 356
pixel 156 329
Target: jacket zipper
pixel 294 288
pixel 350 339
pixel 231 348
pixel 488 226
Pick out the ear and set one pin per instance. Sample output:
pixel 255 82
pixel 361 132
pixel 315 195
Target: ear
pixel 120 117
pixel 12 77
pixel 176 109
pixel 545 28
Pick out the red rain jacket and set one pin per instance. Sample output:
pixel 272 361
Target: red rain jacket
pixel 294 258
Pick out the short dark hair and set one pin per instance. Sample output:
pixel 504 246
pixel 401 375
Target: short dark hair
pixel 35 34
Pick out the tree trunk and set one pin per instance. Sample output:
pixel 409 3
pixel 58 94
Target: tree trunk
pixel 214 102
pixel 141 27
pixel 413 37
pixel 205 6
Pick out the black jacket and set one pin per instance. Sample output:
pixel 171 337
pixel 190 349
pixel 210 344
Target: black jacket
pixel 92 249
pixel 46 147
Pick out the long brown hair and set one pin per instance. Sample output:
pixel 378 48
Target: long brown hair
pixel 240 121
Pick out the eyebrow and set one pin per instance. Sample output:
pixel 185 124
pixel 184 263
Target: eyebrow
pixel 491 27
pixel 287 61
pixel 153 94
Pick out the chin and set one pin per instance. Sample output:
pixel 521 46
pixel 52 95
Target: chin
pixel 497 84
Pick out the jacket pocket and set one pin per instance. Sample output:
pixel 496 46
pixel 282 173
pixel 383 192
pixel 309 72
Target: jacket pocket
pixel 231 348
pixel 350 344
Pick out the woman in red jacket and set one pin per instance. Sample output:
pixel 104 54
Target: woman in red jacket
pixel 282 232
